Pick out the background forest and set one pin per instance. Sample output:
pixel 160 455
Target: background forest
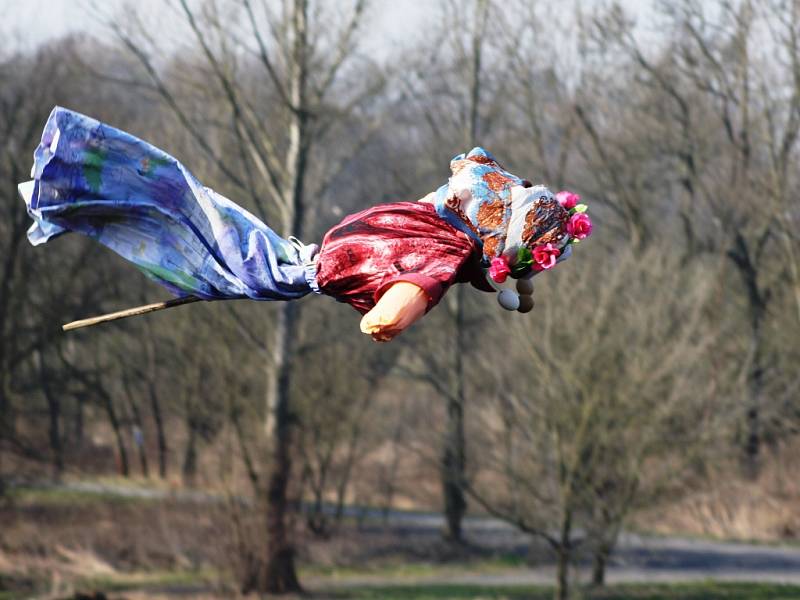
pixel 654 387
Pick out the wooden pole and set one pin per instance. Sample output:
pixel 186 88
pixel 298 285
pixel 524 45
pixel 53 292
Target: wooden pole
pixel 130 312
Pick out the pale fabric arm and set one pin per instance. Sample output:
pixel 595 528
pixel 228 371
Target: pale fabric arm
pixel 429 199
pixel 399 307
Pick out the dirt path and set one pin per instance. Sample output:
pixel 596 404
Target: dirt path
pixel 638 559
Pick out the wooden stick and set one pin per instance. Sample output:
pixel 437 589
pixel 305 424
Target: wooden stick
pixel 130 312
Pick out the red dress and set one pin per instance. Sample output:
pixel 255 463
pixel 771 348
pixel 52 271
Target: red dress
pixel 404 241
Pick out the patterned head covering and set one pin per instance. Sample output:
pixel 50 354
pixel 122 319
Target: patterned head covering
pixel 501 211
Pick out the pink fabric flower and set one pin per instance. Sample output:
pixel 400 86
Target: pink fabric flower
pixel 567 199
pixel 499 269
pixel 544 257
pixel 579 226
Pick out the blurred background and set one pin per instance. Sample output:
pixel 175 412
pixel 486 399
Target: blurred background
pixel 623 440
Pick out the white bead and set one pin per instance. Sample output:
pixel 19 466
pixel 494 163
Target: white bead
pixel 508 300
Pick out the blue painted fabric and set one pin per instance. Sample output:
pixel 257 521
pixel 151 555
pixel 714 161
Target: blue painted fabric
pixel 146 206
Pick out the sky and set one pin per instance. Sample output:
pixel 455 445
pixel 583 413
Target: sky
pixel 24 22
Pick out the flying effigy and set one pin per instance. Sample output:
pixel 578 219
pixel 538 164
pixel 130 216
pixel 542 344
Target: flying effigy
pixel 392 262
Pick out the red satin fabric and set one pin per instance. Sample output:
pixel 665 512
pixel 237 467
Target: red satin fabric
pixel 404 241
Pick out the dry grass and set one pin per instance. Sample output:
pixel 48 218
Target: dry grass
pixel 732 507
pixel 59 541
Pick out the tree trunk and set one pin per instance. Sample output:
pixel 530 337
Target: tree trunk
pixel 190 456
pixel 249 465
pixel 599 562
pixel 564 551
pixel 758 308
pixel 607 541
pixel 155 403
pixel 9 260
pixel 77 419
pixel 138 437
pixel 54 413
pixel 124 467
pixel 6 421
pixel 54 431
pixel 280 575
pixel 756 381
pixel 161 437
pixel 454 456
pixel 757 302
pixel 562 575
pixel 344 480
pixel 138 428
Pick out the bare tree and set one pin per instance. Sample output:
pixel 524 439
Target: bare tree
pixel 458 96
pixel 710 89
pixel 24 356
pixel 335 406
pixel 273 127
pixel 599 434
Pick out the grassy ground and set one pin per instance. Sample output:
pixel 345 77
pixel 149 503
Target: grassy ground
pixel 134 548
pixel 183 587
pixel 413 569
pixel 694 591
